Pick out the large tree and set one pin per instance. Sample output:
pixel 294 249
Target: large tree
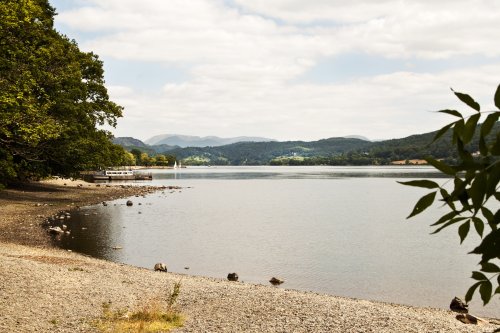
pixel 52 98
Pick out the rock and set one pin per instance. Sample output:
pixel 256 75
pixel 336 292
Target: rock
pixel 275 281
pixel 129 203
pixel 470 319
pixel 55 230
pixel 459 306
pixel 160 267
pixel 232 277
pixel 104 203
pixel 64 227
pixel 117 247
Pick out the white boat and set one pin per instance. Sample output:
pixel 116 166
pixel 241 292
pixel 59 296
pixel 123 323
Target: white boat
pixel 175 165
pixel 119 174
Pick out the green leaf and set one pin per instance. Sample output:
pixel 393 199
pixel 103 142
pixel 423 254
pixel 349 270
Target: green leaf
pixel 470 292
pixel 423 204
pixel 493 180
pixel 485 290
pixel 447 198
pixel 445 218
pixel 497 97
pixel 477 190
pixel 467 100
pixel 479 276
pixel 444 168
pixel 488 124
pixel 452 221
pixel 463 230
pixel 470 128
pixel 441 132
pixel 479 225
pixel 483 148
pixel 487 214
pixel 421 183
pixel 452 112
pixel 489 267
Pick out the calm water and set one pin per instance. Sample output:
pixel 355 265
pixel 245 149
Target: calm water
pixel 334 230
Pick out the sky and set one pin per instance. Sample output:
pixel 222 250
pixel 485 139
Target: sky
pixel 288 69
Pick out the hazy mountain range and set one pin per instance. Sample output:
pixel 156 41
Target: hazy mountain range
pixel 197 141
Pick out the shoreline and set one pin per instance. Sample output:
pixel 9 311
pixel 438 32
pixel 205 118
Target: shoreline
pixel 69 288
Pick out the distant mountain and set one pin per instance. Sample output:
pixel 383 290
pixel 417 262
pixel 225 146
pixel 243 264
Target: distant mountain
pixel 127 141
pixel 197 141
pixel 357 137
pixel 130 143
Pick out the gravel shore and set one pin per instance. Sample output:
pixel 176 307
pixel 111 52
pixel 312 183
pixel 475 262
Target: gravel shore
pixel 43 289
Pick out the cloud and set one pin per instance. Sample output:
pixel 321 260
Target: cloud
pixel 246 60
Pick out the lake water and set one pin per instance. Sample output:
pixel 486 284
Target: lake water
pixel 335 230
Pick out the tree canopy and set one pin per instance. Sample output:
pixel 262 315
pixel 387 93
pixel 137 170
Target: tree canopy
pixel 52 98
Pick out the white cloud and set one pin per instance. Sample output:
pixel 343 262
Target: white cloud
pixel 245 63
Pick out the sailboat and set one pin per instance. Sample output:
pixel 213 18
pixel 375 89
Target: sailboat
pixel 175 165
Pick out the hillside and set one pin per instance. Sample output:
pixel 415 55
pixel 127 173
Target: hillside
pixel 332 151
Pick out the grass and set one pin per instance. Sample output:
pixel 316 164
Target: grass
pixel 152 317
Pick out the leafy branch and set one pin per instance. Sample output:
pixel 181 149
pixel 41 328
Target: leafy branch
pixel 474 192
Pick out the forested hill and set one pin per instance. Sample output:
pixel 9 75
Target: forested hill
pixel 333 151
pixel 262 153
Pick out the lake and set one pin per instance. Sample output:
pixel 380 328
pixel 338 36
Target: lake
pixel 335 230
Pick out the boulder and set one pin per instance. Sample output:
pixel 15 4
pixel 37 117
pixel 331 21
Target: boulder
pixel 232 277
pixel 129 203
pixel 275 281
pixel 459 306
pixel 160 267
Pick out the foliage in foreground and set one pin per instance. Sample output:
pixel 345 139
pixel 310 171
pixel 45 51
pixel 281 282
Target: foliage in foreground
pixel 52 99
pixel 151 317
pixel 474 196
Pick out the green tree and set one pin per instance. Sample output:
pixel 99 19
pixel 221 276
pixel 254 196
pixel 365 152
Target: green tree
pixel 52 98
pixel 137 155
pixel 145 159
pixel 474 194
pixel 161 160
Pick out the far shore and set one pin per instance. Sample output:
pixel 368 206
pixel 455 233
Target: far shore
pixel 47 289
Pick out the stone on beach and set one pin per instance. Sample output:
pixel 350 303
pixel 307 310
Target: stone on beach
pixel 458 305
pixel 275 281
pixel 160 267
pixel 232 277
